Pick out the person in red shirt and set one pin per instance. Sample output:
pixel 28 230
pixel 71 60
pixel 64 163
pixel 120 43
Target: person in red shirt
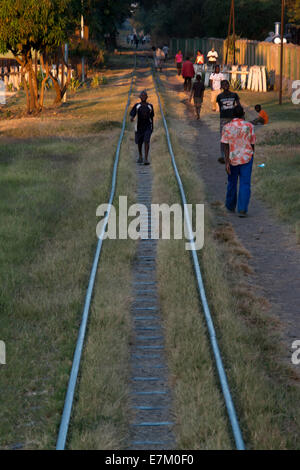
pixel 188 73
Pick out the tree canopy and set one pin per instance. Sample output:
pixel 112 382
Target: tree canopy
pixel 208 18
pixel 293 10
pixel 105 16
pixel 44 26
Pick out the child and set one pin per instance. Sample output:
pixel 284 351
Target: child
pixel 263 117
pixel 197 93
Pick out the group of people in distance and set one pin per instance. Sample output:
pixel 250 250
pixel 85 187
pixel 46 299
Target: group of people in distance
pixel 212 58
pixel 134 39
pixel 237 136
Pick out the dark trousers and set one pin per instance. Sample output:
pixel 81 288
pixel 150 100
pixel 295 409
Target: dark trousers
pixel 179 67
pixel 187 84
pixel 257 121
pixel 241 197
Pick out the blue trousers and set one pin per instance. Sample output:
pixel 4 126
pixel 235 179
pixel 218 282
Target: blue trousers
pixel 241 197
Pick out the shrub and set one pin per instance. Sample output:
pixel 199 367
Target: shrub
pixel 74 85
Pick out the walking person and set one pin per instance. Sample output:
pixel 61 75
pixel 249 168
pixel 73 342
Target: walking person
pixel 136 40
pixel 166 51
pixel 227 101
pixel 198 93
pixel 215 80
pixel 159 58
pixel 239 139
pixel 143 126
pixel 188 73
pixel 178 62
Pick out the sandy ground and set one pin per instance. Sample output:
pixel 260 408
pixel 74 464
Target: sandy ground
pixel 275 253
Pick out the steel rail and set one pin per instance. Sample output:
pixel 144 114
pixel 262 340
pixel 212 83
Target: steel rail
pixel 65 420
pixel 66 415
pixel 209 321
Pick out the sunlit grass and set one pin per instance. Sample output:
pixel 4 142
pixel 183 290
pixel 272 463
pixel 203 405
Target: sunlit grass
pixel 264 389
pixel 55 171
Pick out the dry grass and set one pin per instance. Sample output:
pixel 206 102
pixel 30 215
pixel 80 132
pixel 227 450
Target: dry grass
pixel 101 413
pixel 50 187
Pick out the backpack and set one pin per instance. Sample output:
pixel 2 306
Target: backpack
pixel 144 113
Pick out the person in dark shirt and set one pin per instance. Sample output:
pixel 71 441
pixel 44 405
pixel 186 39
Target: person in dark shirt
pixel 144 125
pixel 227 101
pixel 197 93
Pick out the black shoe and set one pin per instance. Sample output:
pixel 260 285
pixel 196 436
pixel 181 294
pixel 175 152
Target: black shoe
pixel 221 160
pixel 147 163
pixel 242 214
pixel 140 161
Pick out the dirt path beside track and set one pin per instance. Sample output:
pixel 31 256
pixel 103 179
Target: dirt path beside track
pixel 275 255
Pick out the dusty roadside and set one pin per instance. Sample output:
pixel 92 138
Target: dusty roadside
pixel 275 256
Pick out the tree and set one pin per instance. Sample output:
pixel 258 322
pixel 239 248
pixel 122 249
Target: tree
pixel 105 16
pixel 207 18
pixel 35 25
pixel 293 10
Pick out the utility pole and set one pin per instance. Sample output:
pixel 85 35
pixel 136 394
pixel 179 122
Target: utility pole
pixel 231 22
pixel 281 50
pixel 82 37
pixel 233 31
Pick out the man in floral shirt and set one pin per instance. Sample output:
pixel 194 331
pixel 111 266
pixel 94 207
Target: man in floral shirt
pixel 239 139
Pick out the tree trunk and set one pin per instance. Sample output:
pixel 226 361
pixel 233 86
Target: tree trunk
pixel 60 91
pixel 55 82
pixel 23 73
pixel 45 66
pixel 24 68
pixel 35 89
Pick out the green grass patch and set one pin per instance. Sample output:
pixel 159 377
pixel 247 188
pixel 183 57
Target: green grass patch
pixel 279 182
pixel 278 146
pixel 52 179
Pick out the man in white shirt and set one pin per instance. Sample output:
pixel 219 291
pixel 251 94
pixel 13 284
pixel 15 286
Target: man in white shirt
pixel 215 83
pixel 212 56
pixel 158 58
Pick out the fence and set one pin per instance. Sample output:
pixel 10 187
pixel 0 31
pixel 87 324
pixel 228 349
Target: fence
pixel 248 53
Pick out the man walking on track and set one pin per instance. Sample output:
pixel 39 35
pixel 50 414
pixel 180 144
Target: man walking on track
pixel 178 62
pixel 144 125
pixel 227 101
pixel 215 83
pixel 198 93
pixel 239 139
pixel 188 73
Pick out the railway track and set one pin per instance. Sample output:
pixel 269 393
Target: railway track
pixel 151 425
